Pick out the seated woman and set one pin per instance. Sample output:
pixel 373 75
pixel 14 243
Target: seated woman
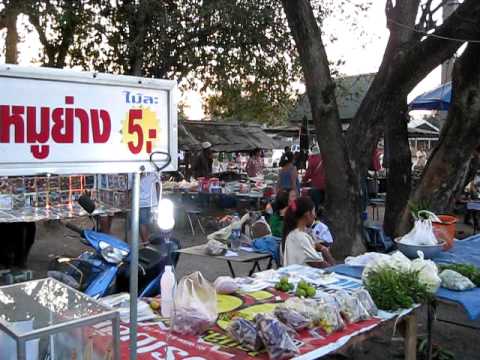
pixel 298 246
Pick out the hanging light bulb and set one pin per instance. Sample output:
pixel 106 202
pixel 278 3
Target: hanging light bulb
pixel 165 215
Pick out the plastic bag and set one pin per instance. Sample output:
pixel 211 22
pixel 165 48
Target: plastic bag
pixel 330 319
pixel 427 273
pixel 215 248
pixel 350 307
pixel 245 332
pixel 276 338
pixel 292 318
pixel 366 300
pixel 397 261
pixel 225 285
pixel 453 280
pixel 421 234
pixel 195 306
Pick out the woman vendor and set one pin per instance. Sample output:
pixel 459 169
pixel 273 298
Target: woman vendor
pixel 297 245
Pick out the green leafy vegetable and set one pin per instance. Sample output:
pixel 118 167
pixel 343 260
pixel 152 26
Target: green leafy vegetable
pixel 467 270
pixel 392 289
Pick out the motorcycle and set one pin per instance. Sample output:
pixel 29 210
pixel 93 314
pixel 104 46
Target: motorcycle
pixel 106 270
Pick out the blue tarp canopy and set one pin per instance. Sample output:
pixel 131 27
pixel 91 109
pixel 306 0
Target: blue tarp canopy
pixel 437 99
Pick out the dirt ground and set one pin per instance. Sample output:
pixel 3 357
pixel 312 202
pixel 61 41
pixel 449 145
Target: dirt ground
pixel 54 239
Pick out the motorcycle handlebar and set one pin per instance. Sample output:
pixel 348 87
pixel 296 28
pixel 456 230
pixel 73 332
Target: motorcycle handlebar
pixel 74 228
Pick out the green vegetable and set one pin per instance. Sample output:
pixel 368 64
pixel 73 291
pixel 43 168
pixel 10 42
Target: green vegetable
pixel 284 285
pixel 305 289
pixel 466 270
pixel 300 292
pixel 392 290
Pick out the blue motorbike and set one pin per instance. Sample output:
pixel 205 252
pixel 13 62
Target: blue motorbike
pixel 106 270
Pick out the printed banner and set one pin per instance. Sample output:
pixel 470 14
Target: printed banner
pixel 63 122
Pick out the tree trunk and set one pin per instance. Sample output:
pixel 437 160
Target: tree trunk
pixel 343 200
pixel 449 162
pixel 399 163
pixel 11 41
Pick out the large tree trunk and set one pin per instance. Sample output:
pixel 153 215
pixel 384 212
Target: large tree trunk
pixel 399 163
pixel 343 195
pixel 460 136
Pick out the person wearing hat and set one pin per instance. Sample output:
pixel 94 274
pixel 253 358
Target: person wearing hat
pixel 315 176
pixel 202 165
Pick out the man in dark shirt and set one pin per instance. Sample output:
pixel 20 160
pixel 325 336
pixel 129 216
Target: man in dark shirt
pixel 202 166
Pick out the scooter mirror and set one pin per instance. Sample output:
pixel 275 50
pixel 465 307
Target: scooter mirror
pixel 86 203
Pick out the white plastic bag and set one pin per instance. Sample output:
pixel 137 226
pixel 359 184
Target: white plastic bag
pixel 225 285
pixel 453 280
pixel 421 234
pixel 195 306
pixel 427 273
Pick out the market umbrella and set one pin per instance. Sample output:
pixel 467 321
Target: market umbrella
pixel 437 99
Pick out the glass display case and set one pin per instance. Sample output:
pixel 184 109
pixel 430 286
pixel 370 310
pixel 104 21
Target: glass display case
pixel 45 319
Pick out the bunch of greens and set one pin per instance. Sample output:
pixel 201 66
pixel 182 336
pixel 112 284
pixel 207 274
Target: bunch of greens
pixel 393 289
pixel 467 270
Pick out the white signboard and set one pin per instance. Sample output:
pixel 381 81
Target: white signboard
pixel 66 122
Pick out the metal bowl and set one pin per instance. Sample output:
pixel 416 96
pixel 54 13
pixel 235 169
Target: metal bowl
pixel 410 251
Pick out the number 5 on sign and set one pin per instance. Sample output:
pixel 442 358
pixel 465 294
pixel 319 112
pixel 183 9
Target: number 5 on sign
pixel 134 127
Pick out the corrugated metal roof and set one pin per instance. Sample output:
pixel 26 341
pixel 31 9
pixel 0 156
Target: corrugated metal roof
pixel 224 136
pixel 350 91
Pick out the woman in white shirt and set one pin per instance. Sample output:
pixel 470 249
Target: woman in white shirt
pixel 298 246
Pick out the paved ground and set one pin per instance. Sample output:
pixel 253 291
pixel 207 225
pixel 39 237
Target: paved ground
pixel 54 239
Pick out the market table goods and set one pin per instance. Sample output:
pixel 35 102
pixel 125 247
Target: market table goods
pixel 48 309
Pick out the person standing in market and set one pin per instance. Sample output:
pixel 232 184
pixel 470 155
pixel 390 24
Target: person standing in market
pixel 288 175
pixel 286 151
pixel 315 177
pixel 255 164
pixel 202 165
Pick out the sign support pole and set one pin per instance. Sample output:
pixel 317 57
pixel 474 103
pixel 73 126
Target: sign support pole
pixel 134 265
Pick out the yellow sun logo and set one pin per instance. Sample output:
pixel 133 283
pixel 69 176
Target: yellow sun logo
pixel 140 130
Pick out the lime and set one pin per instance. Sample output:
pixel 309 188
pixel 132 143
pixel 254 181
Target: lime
pixel 301 292
pixel 311 291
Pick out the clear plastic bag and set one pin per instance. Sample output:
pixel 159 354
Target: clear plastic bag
pixel 427 273
pixel 366 300
pixel 292 318
pixel 421 234
pixel 225 285
pixel 329 318
pixel 276 338
pixel 350 307
pixel 453 280
pixel 245 332
pixel 195 306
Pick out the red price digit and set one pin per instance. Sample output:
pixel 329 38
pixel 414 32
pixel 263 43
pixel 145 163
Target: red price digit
pixel 135 128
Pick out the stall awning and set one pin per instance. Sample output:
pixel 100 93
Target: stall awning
pixel 436 99
pixel 224 136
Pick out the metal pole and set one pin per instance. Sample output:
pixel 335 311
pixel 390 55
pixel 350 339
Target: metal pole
pixel 134 265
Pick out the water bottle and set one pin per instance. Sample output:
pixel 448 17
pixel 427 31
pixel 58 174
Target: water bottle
pixel 236 233
pixel 167 288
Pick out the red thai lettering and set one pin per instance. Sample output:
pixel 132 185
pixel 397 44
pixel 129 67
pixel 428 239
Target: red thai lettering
pixel 38 136
pixel 100 135
pixel 40 126
pixel 8 119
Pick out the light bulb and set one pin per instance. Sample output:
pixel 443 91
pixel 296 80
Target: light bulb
pixel 165 217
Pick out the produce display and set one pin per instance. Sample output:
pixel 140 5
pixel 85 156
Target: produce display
pixel 284 285
pixel 351 308
pixel 305 289
pixel 468 270
pixel 392 289
pixel 245 332
pixel 276 337
pixel 366 300
pixel 453 280
pixel 292 318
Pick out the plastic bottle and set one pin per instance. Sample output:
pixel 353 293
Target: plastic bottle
pixel 236 233
pixel 167 288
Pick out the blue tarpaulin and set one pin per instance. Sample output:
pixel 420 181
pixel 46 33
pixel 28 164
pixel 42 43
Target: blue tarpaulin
pixel 437 99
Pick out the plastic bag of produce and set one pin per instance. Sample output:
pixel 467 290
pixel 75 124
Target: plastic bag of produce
pixel 366 300
pixel 225 285
pixel 351 307
pixel 195 305
pixel 453 280
pixel 396 261
pixel 330 319
pixel 292 318
pixel 427 273
pixel 245 332
pixel 276 338
pixel 215 248
pixel 421 234
pixel 305 307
